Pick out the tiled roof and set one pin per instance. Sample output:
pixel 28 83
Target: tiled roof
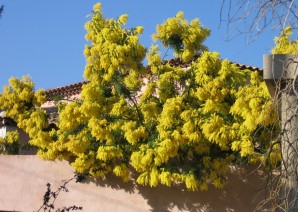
pixel 76 88
pixel 251 68
pixel 65 91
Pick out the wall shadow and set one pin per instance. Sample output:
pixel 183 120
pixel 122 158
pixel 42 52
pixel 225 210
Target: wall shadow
pixel 241 193
pixel 113 182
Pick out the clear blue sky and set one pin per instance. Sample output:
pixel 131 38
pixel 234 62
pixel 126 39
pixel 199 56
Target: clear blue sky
pixel 45 38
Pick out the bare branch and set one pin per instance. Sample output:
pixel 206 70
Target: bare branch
pixel 1 10
pixel 252 17
pixel 282 182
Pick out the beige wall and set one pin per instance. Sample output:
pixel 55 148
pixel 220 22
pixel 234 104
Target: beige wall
pixel 23 181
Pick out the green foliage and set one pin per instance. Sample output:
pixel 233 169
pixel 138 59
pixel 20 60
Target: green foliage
pixel 170 124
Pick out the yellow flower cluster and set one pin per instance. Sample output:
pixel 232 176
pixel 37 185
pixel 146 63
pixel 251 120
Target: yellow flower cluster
pixel 283 43
pixel 20 97
pixel 112 47
pixel 106 153
pixel 185 38
pixel 122 171
pixel 134 134
pixel 71 117
pixel 22 104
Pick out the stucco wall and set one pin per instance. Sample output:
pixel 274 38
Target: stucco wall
pixel 23 181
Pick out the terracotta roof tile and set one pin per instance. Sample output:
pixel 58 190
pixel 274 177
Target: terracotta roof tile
pixel 251 68
pixel 65 91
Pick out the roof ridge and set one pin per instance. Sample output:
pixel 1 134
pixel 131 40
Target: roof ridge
pixel 76 88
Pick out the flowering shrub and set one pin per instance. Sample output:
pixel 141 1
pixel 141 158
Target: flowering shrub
pixel 181 126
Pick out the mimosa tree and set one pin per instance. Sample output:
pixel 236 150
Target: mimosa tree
pixel 170 124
